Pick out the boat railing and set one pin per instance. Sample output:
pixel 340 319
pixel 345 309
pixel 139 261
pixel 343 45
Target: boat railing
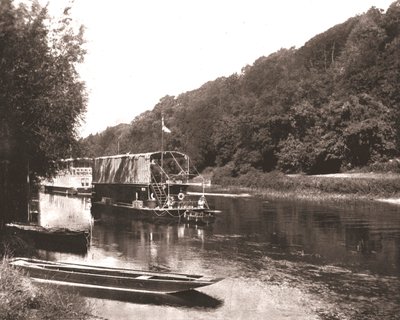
pixel 178 178
pixel 186 204
pixel 160 195
pixel 162 172
pixel 177 163
pixel 183 177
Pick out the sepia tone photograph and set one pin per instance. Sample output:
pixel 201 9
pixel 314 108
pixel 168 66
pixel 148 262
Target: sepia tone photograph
pixel 200 159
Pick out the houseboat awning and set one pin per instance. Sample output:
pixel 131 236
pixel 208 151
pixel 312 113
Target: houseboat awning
pixel 128 168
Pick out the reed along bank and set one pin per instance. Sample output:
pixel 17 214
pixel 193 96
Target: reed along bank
pixel 350 186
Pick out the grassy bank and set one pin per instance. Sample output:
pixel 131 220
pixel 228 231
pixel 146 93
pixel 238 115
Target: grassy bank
pixel 20 299
pixel 346 186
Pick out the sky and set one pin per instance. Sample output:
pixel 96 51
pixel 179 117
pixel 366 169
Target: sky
pixel 141 51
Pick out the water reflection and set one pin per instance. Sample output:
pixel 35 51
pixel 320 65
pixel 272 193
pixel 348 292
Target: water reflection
pixel 67 223
pixel 360 235
pixel 366 235
pixel 156 247
pixel 59 211
pixel 280 259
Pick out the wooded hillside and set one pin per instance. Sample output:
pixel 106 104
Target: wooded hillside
pixel 333 103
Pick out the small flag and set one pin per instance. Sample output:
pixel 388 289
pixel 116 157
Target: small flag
pixel 164 128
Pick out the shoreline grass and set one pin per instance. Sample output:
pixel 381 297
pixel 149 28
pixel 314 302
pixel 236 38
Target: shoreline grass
pixel 323 187
pixel 20 298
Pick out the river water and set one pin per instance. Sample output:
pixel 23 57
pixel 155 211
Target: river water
pixel 279 259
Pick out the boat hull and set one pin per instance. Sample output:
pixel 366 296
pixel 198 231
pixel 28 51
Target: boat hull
pixel 53 239
pixel 112 278
pixel 184 215
pixel 73 191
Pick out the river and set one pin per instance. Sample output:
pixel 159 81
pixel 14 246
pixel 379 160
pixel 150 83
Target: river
pixel 279 259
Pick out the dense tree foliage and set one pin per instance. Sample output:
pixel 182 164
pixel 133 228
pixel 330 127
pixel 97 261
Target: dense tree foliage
pixel 332 104
pixel 41 96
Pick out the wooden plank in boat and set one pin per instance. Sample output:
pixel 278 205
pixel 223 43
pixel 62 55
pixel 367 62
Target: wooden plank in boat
pixel 143 277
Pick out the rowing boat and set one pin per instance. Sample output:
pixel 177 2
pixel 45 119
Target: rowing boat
pixel 117 279
pixel 53 239
pixel 50 232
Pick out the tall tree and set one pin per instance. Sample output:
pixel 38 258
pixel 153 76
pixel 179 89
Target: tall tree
pixel 333 103
pixel 42 98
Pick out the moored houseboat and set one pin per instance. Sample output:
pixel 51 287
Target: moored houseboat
pixel 150 186
pixel 73 177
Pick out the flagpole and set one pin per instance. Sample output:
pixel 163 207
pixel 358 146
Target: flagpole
pixel 163 128
pixel 162 143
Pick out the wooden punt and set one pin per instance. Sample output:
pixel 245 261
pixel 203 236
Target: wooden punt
pixel 116 279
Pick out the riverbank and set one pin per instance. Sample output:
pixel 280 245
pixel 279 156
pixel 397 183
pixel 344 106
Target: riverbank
pixel 21 299
pixel 334 187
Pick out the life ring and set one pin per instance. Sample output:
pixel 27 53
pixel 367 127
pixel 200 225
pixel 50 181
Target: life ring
pixel 152 196
pixel 181 196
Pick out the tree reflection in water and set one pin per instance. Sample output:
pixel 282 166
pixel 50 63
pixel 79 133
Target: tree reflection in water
pixel 279 259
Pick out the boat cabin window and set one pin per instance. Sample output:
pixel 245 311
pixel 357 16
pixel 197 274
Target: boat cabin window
pixel 85 182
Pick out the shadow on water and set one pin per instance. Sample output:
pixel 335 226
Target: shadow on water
pixel 187 299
